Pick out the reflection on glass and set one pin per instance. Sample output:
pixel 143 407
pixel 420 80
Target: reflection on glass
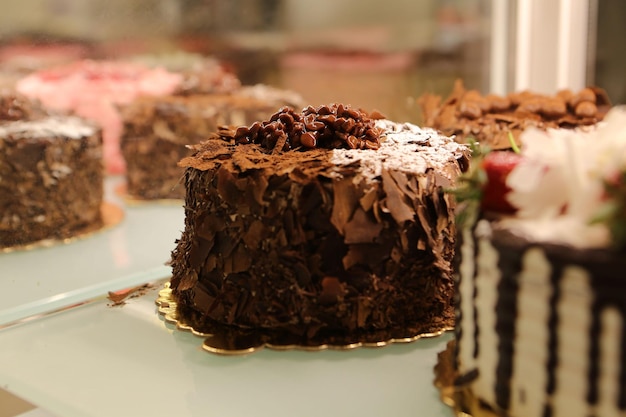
pixel 371 54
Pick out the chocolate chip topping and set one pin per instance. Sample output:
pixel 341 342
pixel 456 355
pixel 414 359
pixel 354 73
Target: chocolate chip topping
pixel 330 127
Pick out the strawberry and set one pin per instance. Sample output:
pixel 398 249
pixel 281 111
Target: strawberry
pixel 497 166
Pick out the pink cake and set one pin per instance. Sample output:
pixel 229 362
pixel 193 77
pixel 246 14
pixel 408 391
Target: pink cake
pixel 94 90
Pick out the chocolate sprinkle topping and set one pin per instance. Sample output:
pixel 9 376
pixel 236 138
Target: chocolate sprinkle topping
pixel 329 127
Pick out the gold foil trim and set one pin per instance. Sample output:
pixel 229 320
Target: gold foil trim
pixel 232 342
pixel 112 215
pixel 135 201
pixel 458 396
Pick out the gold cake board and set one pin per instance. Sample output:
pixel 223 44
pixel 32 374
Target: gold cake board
pixel 458 396
pixel 121 190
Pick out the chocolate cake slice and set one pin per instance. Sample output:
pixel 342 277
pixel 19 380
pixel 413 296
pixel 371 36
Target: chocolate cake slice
pixel 321 226
pixel 51 174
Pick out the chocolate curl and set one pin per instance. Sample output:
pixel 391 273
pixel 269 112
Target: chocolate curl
pixel 396 202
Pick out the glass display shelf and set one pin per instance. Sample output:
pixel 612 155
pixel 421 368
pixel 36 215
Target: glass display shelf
pixel 132 252
pixel 103 360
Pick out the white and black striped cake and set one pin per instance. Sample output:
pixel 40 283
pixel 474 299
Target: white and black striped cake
pixel 541 289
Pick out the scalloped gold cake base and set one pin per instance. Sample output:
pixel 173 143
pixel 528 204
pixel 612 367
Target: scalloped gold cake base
pixel 112 215
pixel 230 341
pixel 132 201
pixel 458 396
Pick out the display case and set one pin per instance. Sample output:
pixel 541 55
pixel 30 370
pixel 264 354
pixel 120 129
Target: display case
pixel 71 351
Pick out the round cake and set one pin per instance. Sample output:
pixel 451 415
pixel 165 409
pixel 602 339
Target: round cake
pixel 541 307
pixel 322 226
pixel 51 174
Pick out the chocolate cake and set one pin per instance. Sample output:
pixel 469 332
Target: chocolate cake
pixel 157 131
pixel 51 174
pixel 322 226
pixel 541 308
pixel 491 119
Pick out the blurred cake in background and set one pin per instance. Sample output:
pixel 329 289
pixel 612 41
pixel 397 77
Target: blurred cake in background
pixel 51 174
pixel 490 119
pixel 201 74
pixel 362 78
pixel 157 131
pixel 155 105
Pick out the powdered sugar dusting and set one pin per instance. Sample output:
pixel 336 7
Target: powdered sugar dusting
pixel 404 147
pixel 70 127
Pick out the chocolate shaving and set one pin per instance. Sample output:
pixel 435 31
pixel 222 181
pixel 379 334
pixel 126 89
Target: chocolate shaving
pixel 332 291
pixel 15 106
pixel 119 298
pixel 396 202
pixel 345 203
pixel 362 228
